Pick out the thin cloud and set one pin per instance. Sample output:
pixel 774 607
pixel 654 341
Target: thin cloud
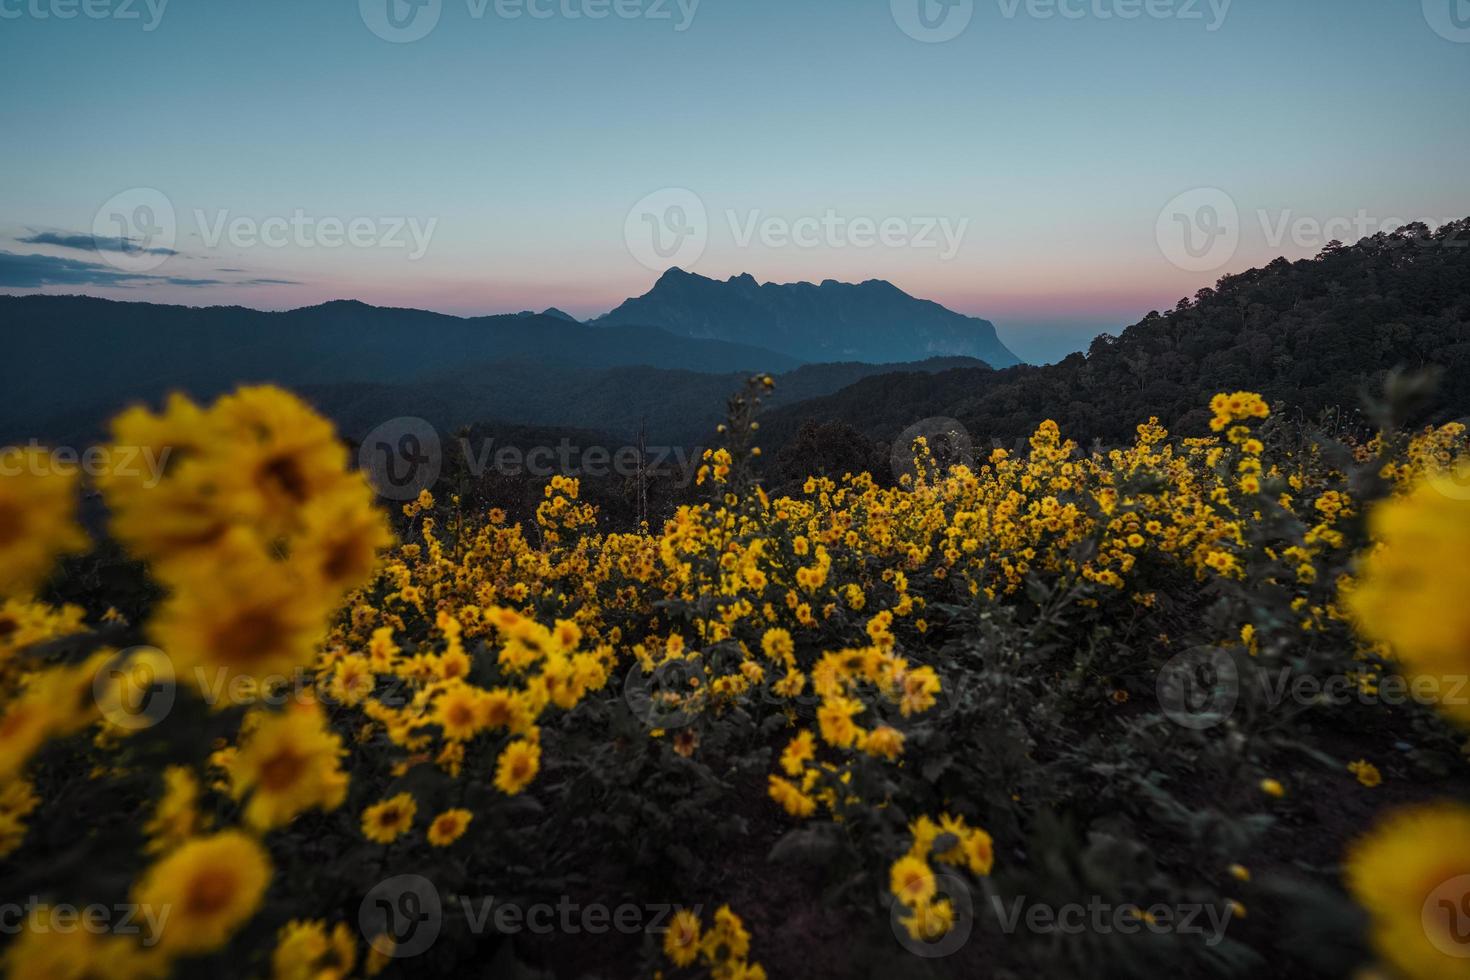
pixel 91 243
pixel 34 271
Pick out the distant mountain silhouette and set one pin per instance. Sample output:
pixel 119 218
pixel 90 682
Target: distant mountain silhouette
pixel 87 357
pixel 873 321
pixel 553 312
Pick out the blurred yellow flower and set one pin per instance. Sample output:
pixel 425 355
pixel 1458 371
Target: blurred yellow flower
pixel 210 886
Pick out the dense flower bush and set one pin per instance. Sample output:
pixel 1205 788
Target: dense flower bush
pixel 1059 677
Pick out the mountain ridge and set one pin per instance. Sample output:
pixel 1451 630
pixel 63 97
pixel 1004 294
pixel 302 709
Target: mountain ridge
pixel 115 353
pixel 873 321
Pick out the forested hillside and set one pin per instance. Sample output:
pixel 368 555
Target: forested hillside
pixel 1313 334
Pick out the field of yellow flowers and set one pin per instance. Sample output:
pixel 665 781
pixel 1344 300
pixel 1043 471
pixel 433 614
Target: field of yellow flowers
pixel 1189 705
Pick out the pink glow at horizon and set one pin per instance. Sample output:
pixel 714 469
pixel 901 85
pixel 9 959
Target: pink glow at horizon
pixel 585 300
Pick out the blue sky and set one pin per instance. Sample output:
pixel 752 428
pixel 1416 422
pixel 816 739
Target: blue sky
pixel 499 162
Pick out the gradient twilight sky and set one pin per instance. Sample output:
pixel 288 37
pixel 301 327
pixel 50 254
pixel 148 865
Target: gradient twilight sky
pixel 1056 143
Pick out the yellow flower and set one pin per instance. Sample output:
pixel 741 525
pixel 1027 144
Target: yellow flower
pixel 929 920
pixel 176 816
pixel 791 685
pixel 37 501
pixel 1272 787
pixel 352 680
pixel 388 820
pixel 1366 772
pixel 979 851
pixel 501 708
pixel 517 766
pixel 726 939
pixel 305 951
pixel 81 954
pixel 17 800
pixel 276 457
pixel 1410 873
pixel 340 537
pixel 798 752
pixel 289 763
pixel 884 742
pixel 919 689
pixel 241 616
pixel 835 720
pixel 681 942
pixel 449 826
pixel 26 723
pixel 25 623
pixel 380 954
pixel 382 651
pixel 791 799
pixel 210 885
pixel 1410 593
pixel 912 881
pixel 457 711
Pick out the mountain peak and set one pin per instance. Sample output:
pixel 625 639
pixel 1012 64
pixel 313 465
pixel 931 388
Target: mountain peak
pixel 873 321
pixel 675 274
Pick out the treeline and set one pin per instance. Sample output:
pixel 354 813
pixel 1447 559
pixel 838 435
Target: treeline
pixel 1315 334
